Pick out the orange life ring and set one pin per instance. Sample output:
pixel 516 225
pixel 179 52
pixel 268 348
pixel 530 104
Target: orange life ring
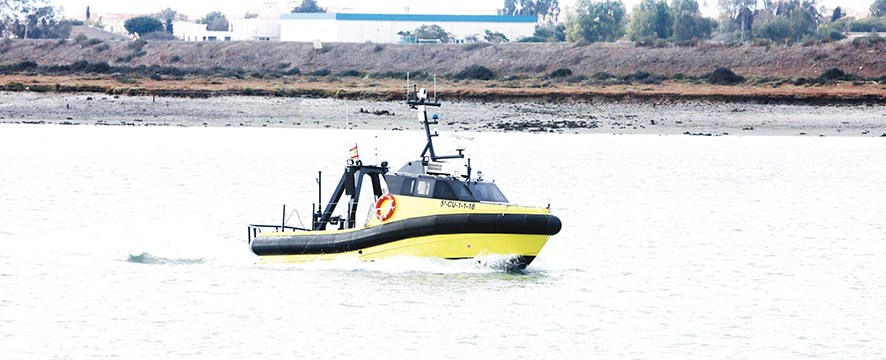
pixel 384 213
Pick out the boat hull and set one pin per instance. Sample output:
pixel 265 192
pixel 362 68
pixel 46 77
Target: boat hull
pixel 449 246
pixel 421 228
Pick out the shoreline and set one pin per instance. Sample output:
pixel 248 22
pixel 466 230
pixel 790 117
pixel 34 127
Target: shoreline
pixel 701 118
pixel 503 91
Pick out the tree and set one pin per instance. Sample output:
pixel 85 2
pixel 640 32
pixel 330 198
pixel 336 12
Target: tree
pixel 87 13
pixel 838 14
pixel 219 24
pixel 32 19
pixel 775 29
pixel 309 6
pixel 250 15
pixel 596 21
pixel 429 32
pixel 547 9
pixel 547 33
pixel 802 23
pixel 209 17
pixel 802 15
pixel 688 21
pixel 738 14
pixel 215 21
pixel 495 37
pixel 651 19
pixel 878 8
pixel 167 16
pixel 142 25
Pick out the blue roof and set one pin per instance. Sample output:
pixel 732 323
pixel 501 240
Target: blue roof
pixel 415 18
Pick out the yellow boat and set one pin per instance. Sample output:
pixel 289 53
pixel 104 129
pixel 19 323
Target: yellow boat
pixel 425 209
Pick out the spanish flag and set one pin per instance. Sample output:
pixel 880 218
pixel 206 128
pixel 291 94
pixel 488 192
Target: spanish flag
pixel 354 154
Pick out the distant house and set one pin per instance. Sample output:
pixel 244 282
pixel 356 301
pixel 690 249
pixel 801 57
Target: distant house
pixel 383 28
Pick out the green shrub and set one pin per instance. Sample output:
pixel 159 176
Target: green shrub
pixel 868 24
pixel 836 35
pixel 652 42
pixel 761 42
pixel 474 72
pixel 724 76
pixel 321 72
pixel 137 45
pixel 683 77
pixel 873 39
pixel 472 46
pixel 175 58
pixel 159 35
pixel 602 75
pixel 24 66
pixel 532 39
pixel 809 40
pixel 832 74
pixel 349 73
pixel 561 72
pixel 575 79
pixel 642 77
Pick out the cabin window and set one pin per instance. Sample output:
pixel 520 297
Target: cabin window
pixel 452 190
pixel 437 188
pixel 423 187
pixel 399 185
pixel 462 191
pixel 444 191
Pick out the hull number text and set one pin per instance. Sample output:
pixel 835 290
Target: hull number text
pixel 456 204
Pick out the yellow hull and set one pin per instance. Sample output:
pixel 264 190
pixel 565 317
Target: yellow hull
pixel 452 241
pixel 452 246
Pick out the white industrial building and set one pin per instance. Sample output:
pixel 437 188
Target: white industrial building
pixel 240 30
pixel 342 27
pixel 383 28
pixel 257 29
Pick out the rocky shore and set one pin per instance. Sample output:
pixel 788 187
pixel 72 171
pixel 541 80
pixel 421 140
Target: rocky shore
pixel 699 118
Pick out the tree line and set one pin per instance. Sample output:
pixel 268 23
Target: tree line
pixel 32 19
pixel 681 21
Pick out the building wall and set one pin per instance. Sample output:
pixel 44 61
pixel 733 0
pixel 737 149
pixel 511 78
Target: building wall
pixel 188 31
pixel 258 29
pixel 309 30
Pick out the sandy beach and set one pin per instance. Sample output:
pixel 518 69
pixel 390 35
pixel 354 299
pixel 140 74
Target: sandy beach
pixel 675 118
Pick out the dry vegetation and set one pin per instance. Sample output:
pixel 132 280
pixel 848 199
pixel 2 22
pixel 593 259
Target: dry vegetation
pixel 776 73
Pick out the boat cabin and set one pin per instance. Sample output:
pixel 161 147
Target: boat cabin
pixel 443 187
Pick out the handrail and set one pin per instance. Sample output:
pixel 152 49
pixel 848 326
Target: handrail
pixel 252 230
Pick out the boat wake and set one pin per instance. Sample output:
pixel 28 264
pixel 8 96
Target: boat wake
pixel 145 258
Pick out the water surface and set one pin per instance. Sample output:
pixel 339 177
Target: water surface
pixel 130 242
